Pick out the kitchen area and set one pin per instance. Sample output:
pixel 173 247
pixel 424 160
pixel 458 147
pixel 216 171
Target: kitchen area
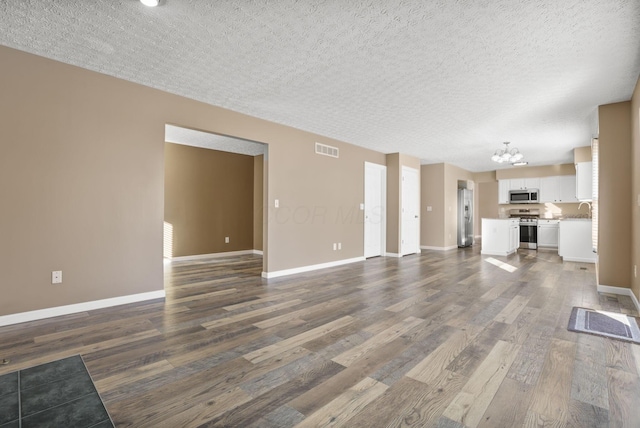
pixel 544 213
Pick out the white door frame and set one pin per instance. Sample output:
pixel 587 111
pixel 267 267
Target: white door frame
pixel 382 169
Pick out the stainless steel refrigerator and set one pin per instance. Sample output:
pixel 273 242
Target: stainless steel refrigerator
pixel 465 217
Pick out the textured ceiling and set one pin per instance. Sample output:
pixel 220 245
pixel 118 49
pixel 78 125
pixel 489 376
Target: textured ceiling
pixel 205 140
pixel 442 80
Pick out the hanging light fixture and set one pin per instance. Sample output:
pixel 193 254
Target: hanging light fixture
pixel 513 156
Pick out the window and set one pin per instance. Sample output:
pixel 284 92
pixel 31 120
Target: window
pixel 594 192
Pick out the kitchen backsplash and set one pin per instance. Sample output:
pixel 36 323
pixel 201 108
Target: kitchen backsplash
pixel 549 210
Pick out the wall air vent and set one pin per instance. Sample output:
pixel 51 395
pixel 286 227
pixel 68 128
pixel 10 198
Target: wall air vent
pixel 323 149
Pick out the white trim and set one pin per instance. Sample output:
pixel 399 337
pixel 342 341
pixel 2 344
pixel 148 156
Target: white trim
pixel 302 269
pixel 79 307
pixel 497 253
pixel 577 259
pixel 393 255
pixel 214 255
pixel 478 236
pixel 258 252
pixel 429 247
pixel 621 291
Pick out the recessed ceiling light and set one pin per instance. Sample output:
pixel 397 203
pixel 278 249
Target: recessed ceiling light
pixel 521 163
pixel 150 3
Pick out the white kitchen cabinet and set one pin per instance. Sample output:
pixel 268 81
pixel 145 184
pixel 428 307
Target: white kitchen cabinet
pixel 549 191
pixel 532 183
pixel 584 183
pixel 574 244
pixel 548 233
pixel 555 189
pixel 503 191
pixel 524 183
pixel 516 184
pixel 567 186
pixel 514 235
pixel 500 237
pixel 559 188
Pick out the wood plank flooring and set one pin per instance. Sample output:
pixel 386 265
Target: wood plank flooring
pixel 440 339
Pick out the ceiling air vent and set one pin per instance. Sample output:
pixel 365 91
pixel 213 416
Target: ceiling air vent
pixel 323 149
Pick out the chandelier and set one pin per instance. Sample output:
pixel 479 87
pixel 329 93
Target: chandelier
pixel 513 156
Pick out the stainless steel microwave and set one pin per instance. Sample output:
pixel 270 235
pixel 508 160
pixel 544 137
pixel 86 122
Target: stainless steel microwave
pixel 528 196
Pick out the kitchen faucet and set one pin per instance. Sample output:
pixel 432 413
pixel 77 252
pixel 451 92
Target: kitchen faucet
pixel 588 204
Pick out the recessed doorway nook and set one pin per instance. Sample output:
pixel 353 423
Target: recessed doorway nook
pixel 214 187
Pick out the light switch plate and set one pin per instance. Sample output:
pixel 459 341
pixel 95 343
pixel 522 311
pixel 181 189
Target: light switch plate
pixel 276 203
pixel 429 208
pixel 56 277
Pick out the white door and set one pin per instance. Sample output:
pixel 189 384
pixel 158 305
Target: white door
pixel 410 228
pixel 375 198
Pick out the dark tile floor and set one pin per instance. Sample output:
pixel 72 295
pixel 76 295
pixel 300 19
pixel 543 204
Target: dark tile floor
pixel 56 394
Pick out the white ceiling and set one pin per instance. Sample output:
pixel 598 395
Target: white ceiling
pixel 442 80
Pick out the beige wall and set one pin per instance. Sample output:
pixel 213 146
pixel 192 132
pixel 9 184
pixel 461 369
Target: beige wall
pixel 614 208
pixel 432 195
pixel 487 203
pixel 439 227
pixel 635 190
pixel 582 154
pixel 82 179
pixel 258 199
pixel 208 195
pixel 394 171
pixel 536 171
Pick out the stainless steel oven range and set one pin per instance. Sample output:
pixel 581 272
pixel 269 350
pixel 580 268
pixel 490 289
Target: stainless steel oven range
pixel 528 227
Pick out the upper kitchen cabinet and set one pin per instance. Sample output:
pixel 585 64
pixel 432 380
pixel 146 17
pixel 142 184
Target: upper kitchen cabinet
pixel 549 190
pixel 558 189
pixel 584 181
pixel 567 186
pixel 524 183
pixel 503 191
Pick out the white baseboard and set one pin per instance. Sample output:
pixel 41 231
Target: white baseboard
pixel 621 291
pixel 302 269
pixel 258 252
pixel 429 247
pixel 392 255
pixel 577 259
pixel 78 307
pixel 213 255
pixel 496 253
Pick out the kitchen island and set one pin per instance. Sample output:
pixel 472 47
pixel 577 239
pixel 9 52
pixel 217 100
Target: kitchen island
pixel 574 240
pixel 500 236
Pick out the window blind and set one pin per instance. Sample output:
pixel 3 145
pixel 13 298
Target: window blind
pixel 594 193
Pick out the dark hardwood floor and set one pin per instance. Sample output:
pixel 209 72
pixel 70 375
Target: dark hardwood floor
pixel 443 339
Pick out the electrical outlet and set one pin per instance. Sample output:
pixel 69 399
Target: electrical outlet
pixel 276 203
pixel 429 208
pixel 56 277
pixel 335 246
pixel 226 239
pixel 339 245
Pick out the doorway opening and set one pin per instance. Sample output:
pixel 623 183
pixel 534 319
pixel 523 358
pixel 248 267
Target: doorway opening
pixel 214 187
